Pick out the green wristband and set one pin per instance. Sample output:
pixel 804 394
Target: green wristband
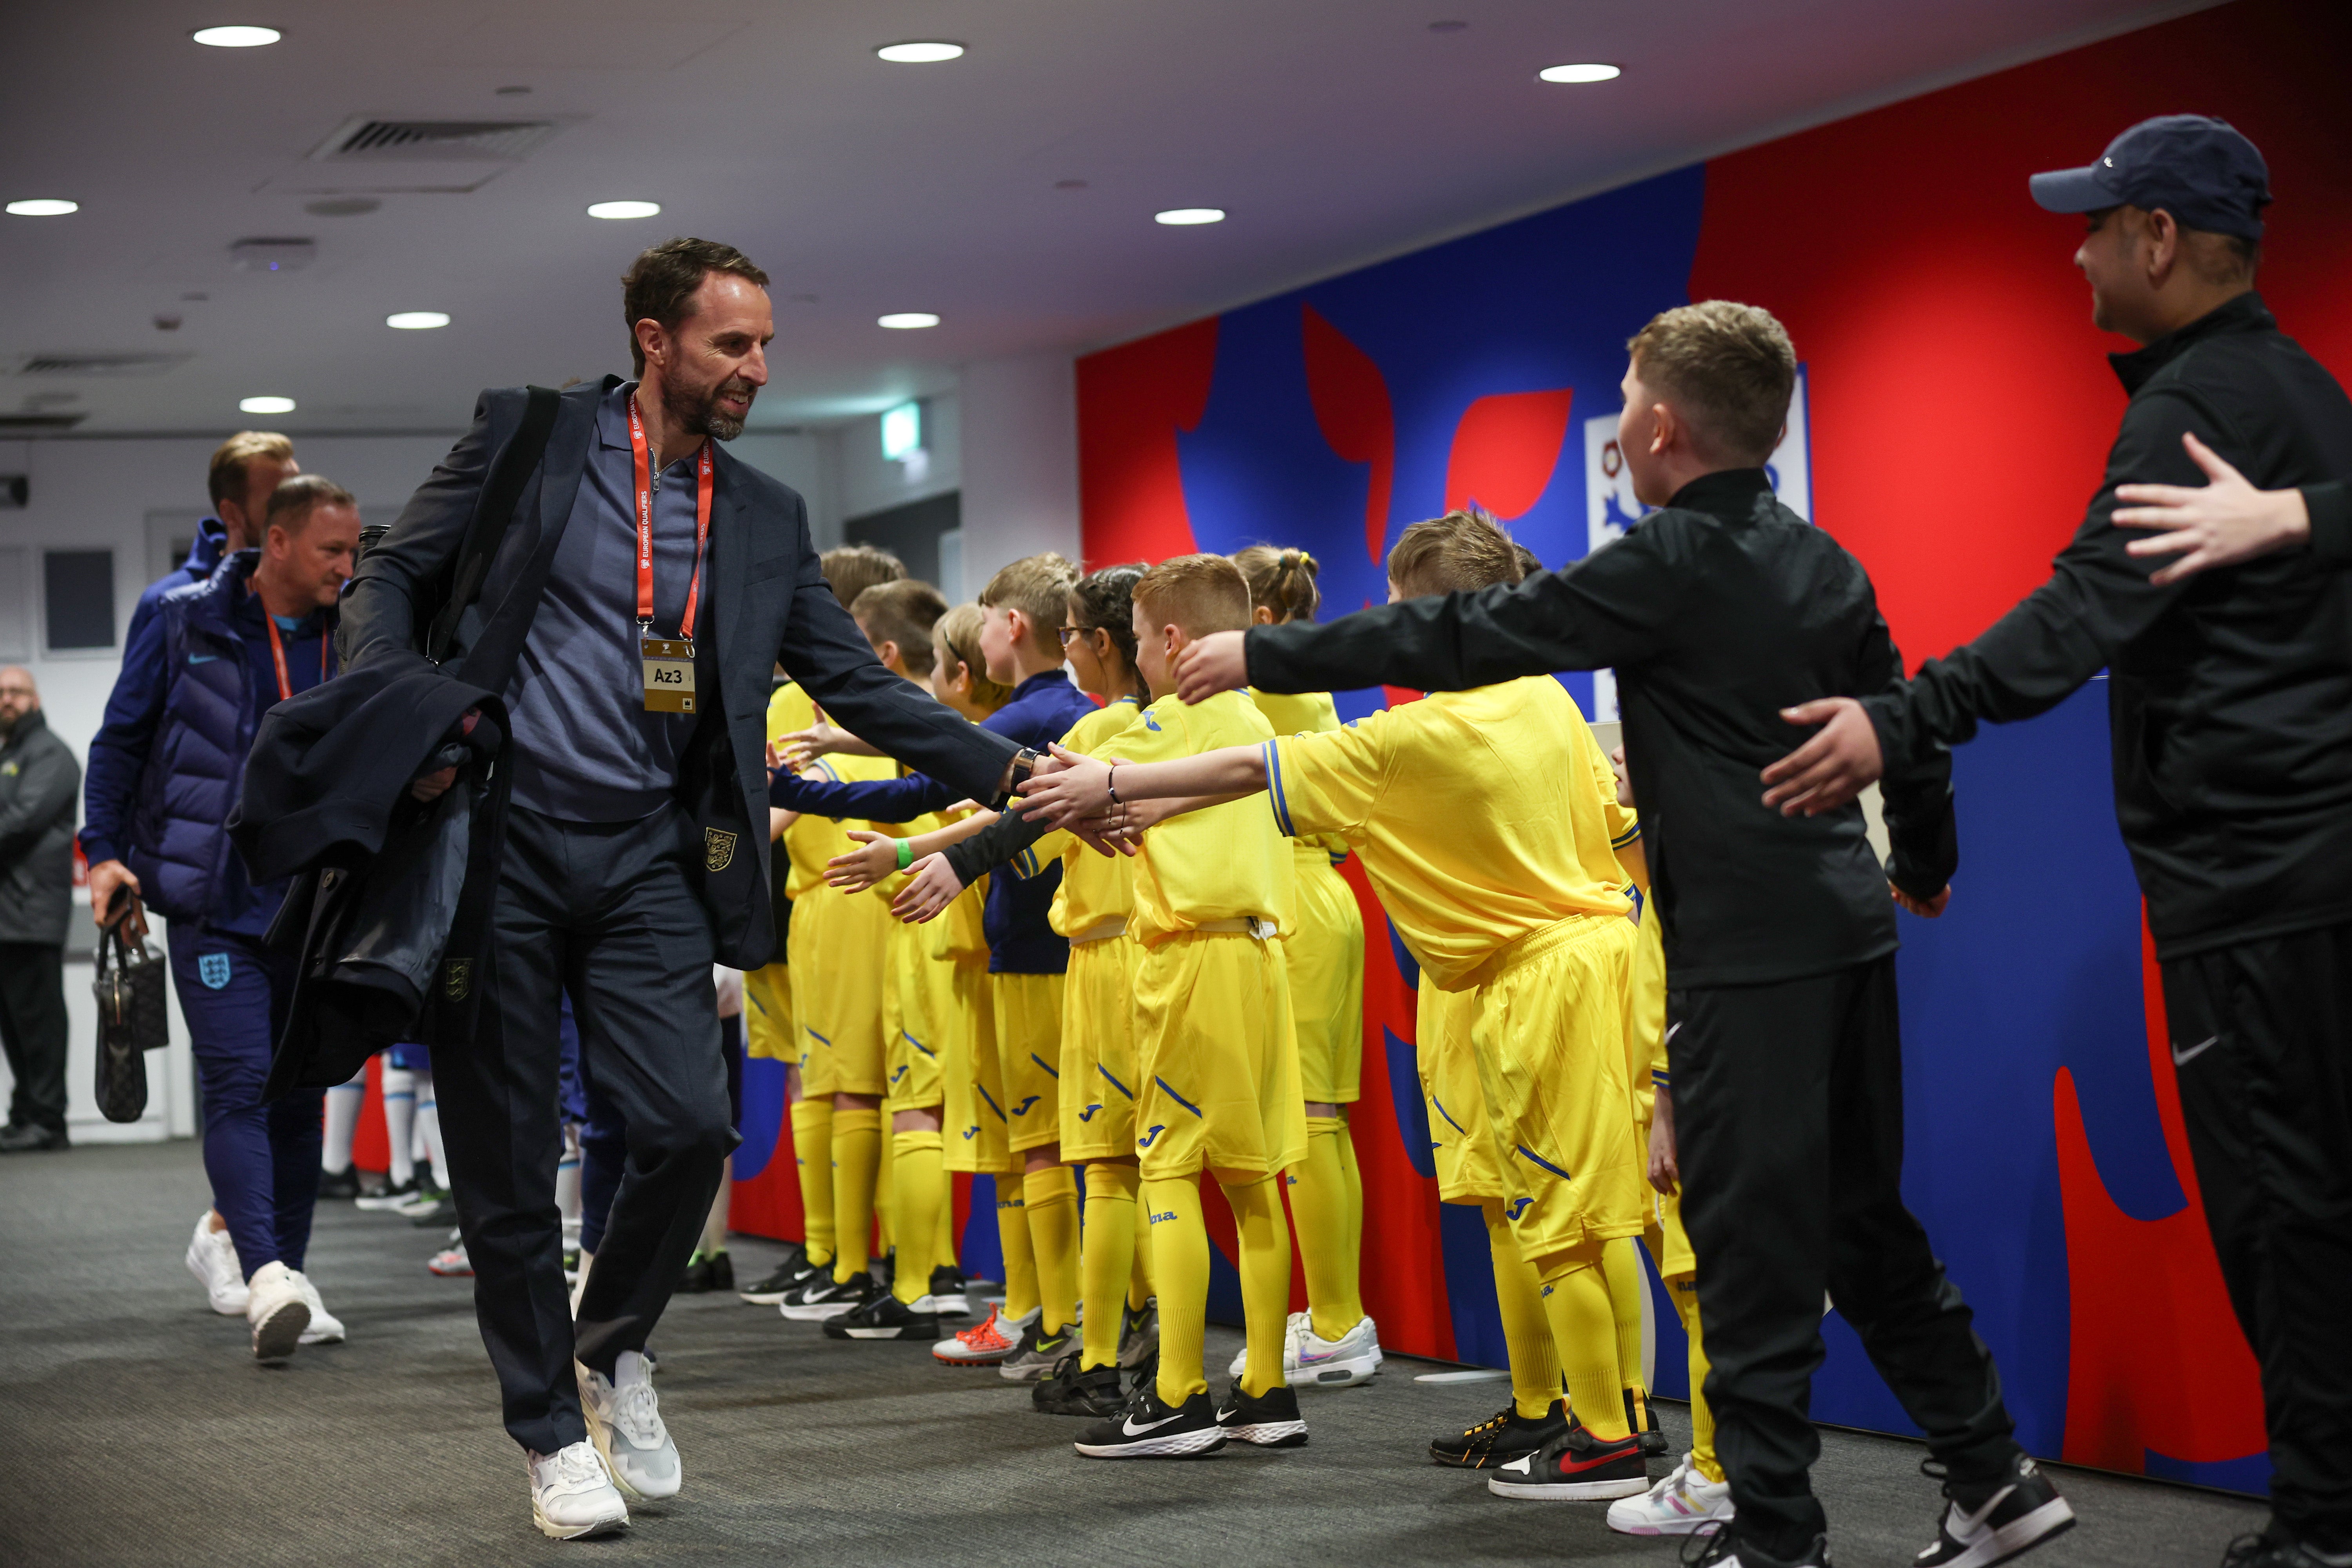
pixel 906 854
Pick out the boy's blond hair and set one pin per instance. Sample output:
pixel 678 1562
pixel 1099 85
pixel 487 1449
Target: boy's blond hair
pixel 1454 553
pixel 958 636
pixel 1195 593
pixel 852 569
pixel 1037 586
pixel 904 613
pixel 1729 368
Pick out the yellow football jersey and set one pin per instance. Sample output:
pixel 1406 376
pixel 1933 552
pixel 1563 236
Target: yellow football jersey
pixel 1095 888
pixel 1227 862
pixel 1481 815
pixel 1303 713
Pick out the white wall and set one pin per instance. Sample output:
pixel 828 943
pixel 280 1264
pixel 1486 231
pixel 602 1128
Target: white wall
pixel 866 482
pixel 1020 461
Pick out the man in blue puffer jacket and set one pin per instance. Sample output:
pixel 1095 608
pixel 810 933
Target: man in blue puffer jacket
pixel 164 772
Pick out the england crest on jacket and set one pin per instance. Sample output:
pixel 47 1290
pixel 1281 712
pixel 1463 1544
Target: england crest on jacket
pixel 717 849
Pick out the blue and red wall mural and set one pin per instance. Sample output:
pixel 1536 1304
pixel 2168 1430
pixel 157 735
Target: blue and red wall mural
pixel 1955 416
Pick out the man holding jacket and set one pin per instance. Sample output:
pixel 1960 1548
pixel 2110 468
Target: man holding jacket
pixel 38 781
pixel 638 600
pixel 2230 692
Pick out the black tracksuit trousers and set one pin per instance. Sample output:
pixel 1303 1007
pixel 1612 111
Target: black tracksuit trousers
pixel 1789 1128
pixel 2261 1049
pixel 607 912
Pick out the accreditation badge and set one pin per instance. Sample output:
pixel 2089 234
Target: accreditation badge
pixel 669 674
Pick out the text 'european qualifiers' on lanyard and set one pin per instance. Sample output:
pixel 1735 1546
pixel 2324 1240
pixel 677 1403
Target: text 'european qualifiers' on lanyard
pixel 277 655
pixel 668 661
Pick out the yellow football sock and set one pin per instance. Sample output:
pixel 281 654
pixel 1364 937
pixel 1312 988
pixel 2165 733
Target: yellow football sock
pixel 945 1253
pixel 1346 1145
pixel 885 1194
pixel 1012 1237
pixel 1180 1262
pixel 1265 1246
pixel 1051 1196
pixel 919 1191
pixel 1621 1266
pixel 1526 1334
pixel 856 1158
pixel 1584 1331
pixel 812 1151
pixel 1319 1198
pixel 1140 1287
pixel 1105 1258
pixel 1683 1288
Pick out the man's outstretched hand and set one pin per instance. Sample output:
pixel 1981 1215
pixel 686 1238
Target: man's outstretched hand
pixel 1831 768
pixel 1216 663
pixel 2216 524
pixel 1074 788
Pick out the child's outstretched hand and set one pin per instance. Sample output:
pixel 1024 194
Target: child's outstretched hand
pixel 931 887
pixel 876 856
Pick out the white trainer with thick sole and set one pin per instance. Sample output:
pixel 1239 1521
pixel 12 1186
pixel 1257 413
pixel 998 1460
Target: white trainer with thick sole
pixel 276 1311
pixel 326 1329
pixel 625 1423
pixel 1311 1361
pixel 572 1495
pixel 212 1259
pixel 1684 1503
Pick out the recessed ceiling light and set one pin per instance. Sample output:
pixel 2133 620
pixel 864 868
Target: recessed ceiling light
pixel 906 320
pixel 416 321
pixel 266 405
pixel 1181 218
pixel 236 37
pixel 1592 72
pixel 924 53
pixel 44 208
pixel 625 209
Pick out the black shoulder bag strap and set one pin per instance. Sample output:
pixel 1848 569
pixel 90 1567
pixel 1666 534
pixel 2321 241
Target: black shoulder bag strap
pixel 508 473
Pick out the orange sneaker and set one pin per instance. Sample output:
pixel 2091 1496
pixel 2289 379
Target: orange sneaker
pixel 986 1343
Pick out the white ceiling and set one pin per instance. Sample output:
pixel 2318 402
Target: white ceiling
pixel 1335 132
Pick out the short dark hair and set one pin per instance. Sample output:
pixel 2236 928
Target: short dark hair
pixel 660 283
pixel 903 612
pixel 293 502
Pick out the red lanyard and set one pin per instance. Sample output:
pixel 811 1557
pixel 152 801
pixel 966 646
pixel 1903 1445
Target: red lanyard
pixel 646 527
pixel 278 655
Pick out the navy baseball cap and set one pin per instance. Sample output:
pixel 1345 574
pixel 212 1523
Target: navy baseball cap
pixel 2198 169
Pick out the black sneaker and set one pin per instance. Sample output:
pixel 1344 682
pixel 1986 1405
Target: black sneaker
pixel 1991 1521
pixel 1034 1356
pixel 1148 1429
pixel 1507 1436
pixel 1268 1420
pixel 695 1280
pixel 2273 1548
pixel 1642 1421
pixel 1721 1549
pixel 950 1295
pixel 341 1186
pixel 824 1297
pixel 1070 1390
pixel 883 1318
pixel 1139 1334
pixel 791 1273
pixel 1575 1466
pixel 389 1196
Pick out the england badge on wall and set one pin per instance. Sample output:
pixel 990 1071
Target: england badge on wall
pixel 1609 508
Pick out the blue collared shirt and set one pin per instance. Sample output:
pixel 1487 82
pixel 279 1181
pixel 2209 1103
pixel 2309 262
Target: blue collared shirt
pixel 586 749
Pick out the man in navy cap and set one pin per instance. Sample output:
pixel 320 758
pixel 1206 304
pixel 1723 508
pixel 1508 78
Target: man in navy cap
pixel 2230 692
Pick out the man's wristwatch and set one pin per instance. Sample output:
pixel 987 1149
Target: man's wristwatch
pixel 1026 759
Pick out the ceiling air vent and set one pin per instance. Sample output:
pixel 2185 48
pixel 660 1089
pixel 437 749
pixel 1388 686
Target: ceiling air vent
pixel 37 424
pixel 367 139
pixel 99 364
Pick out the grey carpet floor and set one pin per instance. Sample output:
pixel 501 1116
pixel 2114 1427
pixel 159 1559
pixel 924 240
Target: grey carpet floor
pixel 138 1430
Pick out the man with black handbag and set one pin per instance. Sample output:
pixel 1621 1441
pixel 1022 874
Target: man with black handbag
pixel 636 601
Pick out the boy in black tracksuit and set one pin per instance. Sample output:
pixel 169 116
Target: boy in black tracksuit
pixel 1717 612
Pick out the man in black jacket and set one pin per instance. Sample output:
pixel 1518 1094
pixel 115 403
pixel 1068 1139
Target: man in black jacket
pixel 1716 612
pixel 2231 697
pixel 633 662
pixel 39 781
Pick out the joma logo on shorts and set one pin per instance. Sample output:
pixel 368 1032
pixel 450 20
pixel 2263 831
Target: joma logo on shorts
pixel 1164 1214
pixel 1157 1129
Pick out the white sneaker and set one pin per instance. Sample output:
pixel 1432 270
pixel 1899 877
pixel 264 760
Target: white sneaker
pixel 1684 1503
pixel 625 1421
pixel 1311 1361
pixel 212 1259
pixel 276 1311
pixel 572 1495
pixel 326 1329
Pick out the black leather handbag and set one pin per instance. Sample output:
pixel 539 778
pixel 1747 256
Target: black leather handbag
pixel 132 1016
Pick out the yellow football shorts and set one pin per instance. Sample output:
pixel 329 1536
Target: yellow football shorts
pixel 1462 1145
pixel 1029 1047
pixel 1215 1049
pixel 1326 955
pixel 973 1128
pixel 1098 1078
pixel 768 1034
pixel 922 984
pixel 841 994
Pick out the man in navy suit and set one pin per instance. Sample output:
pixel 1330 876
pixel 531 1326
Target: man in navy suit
pixel 635 610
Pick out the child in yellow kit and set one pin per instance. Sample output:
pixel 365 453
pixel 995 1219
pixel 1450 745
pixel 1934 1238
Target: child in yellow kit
pixel 1484 820
pixel 1334 1342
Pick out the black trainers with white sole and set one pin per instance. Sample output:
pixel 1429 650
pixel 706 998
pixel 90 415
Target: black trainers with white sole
pixel 1575 1467
pixel 949 1295
pixel 1506 1437
pixel 1070 1390
pixel 2273 1548
pixel 1991 1521
pixel 1642 1421
pixel 1268 1420
pixel 790 1274
pixel 1720 1549
pixel 1148 1429
pixel 827 1296
pixel 883 1318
